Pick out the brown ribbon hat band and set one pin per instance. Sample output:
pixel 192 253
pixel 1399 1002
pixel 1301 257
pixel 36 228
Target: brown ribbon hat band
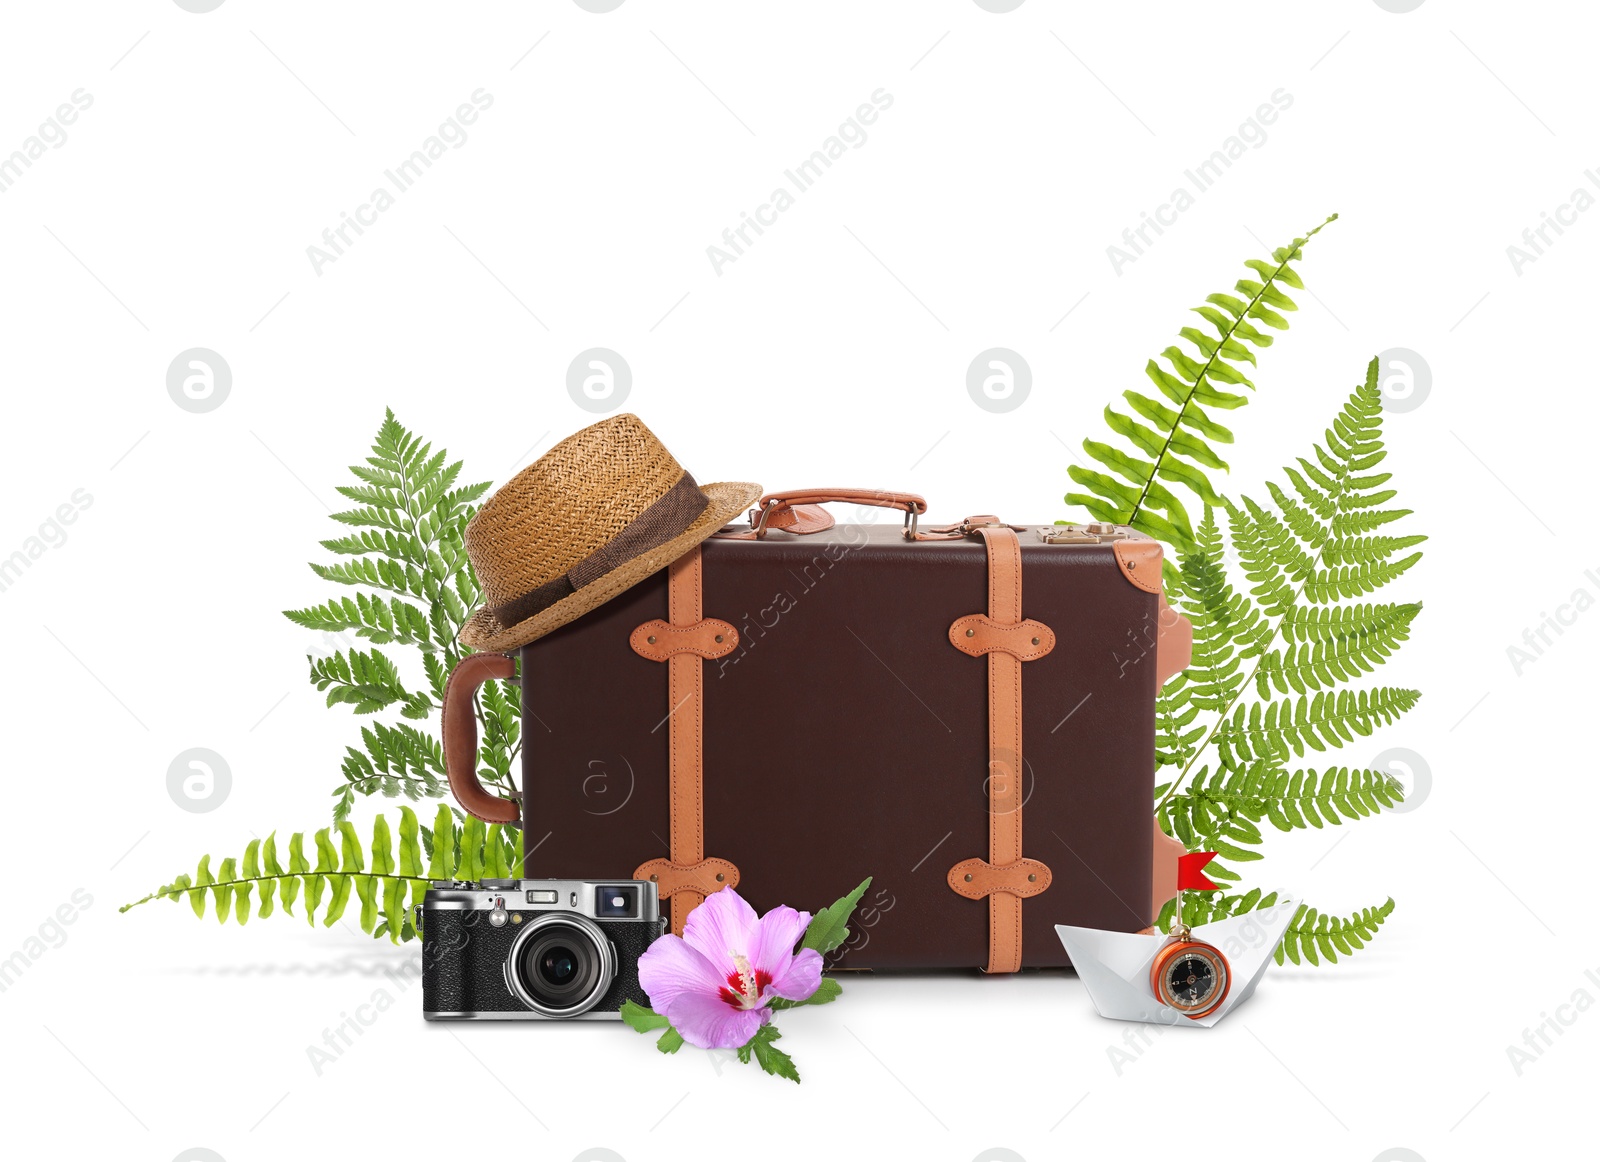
pixel 597 514
pixel 663 520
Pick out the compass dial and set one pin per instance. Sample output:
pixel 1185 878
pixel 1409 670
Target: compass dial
pixel 1191 977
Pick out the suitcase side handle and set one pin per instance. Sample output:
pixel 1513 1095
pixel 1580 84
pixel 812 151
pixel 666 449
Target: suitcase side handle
pixel 461 736
pixel 796 510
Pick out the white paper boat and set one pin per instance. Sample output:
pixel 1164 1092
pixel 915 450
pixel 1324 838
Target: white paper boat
pixel 1115 966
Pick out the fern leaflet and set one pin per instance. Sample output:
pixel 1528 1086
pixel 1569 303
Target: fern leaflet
pixel 386 879
pixel 1311 935
pixel 1273 660
pixel 407 560
pixel 1172 441
pixel 1303 643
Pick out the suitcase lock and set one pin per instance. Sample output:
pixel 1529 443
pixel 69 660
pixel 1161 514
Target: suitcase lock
pixel 1089 534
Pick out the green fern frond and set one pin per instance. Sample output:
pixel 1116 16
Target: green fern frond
pixel 1299 561
pixel 1270 556
pixel 1227 626
pixel 393 546
pixel 1219 811
pixel 1312 932
pixel 1177 736
pixel 501 717
pixel 396 760
pixel 411 515
pixel 1302 799
pixel 1351 524
pixel 1172 441
pixel 1328 718
pixel 1333 644
pixel 1354 550
pixel 373 618
pixel 386 878
pixel 1216 814
pixel 1305 556
pixel 1357 580
pixel 1206 907
pixel 378 572
pixel 1311 935
pixel 415 587
pixel 368 516
pixel 368 681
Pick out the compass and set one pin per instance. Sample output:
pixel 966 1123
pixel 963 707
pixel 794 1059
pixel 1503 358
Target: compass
pixel 1190 976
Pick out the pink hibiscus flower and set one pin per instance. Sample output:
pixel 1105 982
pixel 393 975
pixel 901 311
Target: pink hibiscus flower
pixel 714 983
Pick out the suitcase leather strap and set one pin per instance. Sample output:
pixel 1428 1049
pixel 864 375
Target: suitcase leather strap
pixel 1008 641
pixel 686 877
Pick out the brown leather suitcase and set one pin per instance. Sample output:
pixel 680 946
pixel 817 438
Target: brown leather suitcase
pixel 798 705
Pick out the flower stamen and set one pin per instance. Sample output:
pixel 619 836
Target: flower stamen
pixel 745 984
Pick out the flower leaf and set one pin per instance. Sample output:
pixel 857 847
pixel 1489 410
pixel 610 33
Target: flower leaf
pixel 828 928
pixel 829 990
pixel 774 1060
pixel 642 1020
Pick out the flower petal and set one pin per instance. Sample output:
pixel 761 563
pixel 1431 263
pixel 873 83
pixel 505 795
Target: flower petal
pixel 801 978
pixel 670 968
pixel 722 925
pixel 776 934
pixel 708 1022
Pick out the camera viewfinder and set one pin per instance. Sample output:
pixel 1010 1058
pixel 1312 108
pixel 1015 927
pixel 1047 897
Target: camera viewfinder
pixel 616 901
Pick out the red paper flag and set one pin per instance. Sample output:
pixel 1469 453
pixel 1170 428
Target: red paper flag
pixel 1190 868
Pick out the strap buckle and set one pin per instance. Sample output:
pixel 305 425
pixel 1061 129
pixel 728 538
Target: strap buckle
pixel 761 527
pixel 966 527
pixel 972 524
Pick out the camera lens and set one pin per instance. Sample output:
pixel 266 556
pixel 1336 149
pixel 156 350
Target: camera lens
pixel 558 965
pixel 561 965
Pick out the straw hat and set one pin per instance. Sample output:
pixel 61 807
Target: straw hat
pixel 595 515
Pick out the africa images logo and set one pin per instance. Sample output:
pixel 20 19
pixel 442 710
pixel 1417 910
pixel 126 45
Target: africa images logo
pixel 999 379
pixel 199 379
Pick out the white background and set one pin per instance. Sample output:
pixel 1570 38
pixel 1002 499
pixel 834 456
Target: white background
pixel 976 214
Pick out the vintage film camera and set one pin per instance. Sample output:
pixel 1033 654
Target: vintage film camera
pixel 535 949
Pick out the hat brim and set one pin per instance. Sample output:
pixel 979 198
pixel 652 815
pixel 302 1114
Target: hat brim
pixel 729 500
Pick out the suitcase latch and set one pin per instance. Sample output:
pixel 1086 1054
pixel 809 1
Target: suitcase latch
pixel 1090 534
pixel 972 524
pixel 963 528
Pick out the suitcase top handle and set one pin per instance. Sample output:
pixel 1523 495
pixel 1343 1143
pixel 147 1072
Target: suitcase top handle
pixel 876 497
pixel 799 511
